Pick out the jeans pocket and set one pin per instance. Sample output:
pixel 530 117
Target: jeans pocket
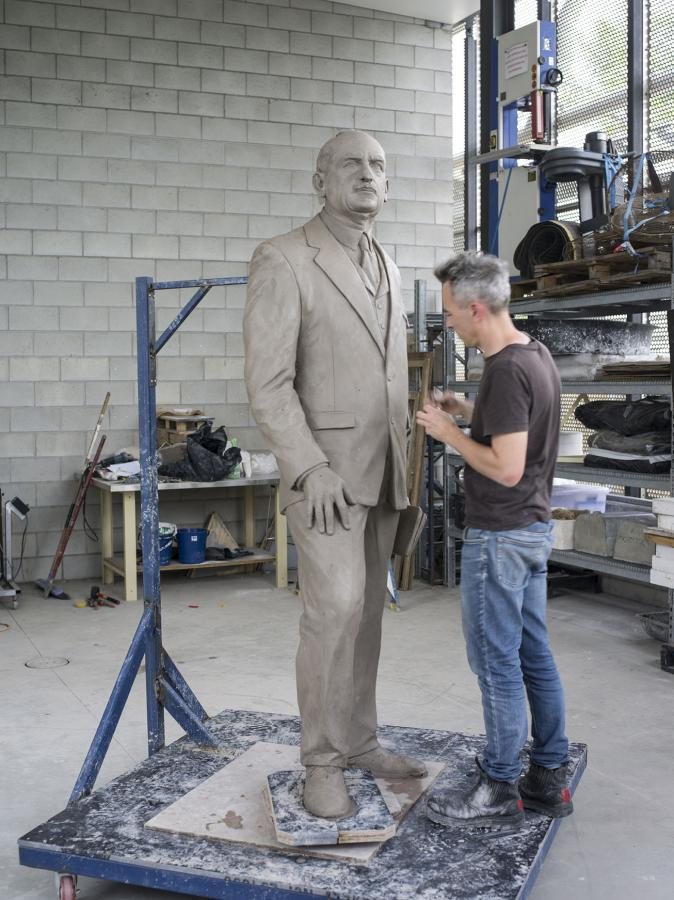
pixel 474 536
pixel 519 555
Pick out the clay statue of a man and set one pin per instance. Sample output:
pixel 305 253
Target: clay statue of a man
pixel 326 373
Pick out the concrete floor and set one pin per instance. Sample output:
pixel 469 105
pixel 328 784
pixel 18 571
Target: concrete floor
pixel 236 649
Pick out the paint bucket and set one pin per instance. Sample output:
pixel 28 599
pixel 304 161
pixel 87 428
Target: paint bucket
pixel 192 545
pixel 167 533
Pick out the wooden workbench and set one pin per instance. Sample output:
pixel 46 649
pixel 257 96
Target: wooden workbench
pixel 126 566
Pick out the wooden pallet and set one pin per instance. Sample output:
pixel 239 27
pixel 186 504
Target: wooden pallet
pixel 182 425
pixel 596 273
pixel 174 429
pixel 602 272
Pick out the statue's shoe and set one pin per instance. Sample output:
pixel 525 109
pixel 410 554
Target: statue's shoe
pixel 385 764
pixel 325 793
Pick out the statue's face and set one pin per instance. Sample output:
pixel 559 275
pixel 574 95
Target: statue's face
pixel 354 183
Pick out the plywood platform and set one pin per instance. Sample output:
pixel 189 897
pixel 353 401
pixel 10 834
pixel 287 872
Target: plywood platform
pixel 104 835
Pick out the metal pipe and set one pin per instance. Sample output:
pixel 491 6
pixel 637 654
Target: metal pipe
pixel 149 498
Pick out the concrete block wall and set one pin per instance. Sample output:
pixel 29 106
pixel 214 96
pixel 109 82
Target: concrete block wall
pixel 167 138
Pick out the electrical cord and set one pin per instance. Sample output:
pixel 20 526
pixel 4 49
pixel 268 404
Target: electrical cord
pixel 89 530
pixel 23 546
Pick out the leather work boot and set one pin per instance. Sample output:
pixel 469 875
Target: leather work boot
pixel 325 793
pixel 490 808
pixel 545 791
pixel 385 764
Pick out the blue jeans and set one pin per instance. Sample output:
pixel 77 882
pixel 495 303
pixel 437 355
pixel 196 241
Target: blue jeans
pixel 503 600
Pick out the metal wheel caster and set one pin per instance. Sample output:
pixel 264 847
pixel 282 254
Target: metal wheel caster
pixel 66 886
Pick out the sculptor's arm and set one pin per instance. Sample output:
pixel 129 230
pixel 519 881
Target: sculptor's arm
pixel 271 326
pixel 503 461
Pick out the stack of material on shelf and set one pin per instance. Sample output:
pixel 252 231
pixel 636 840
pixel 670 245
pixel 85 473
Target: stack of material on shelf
pixel 662 561
pixel 633 435
pixel 582 347
pixel 570 446
pixel 616 533
pixel 564 522
pixel 209 456
pixel 651 367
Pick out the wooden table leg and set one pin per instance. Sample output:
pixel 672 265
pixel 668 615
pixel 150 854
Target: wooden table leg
pixel 281 539
pixel 249 516
pixel 130 573
pixel 107 576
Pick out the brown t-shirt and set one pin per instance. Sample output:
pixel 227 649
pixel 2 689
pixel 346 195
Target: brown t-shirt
pixel 519 391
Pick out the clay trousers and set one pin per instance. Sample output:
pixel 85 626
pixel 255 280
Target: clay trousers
pixel 343 590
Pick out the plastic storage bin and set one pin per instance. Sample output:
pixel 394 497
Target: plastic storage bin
pixel 192 545
pixel 570 495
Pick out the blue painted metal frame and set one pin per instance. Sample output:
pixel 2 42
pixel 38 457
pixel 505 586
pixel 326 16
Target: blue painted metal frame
pixel 156 876
pixel 165 687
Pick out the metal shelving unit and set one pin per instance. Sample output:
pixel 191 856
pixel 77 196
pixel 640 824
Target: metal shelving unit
pixel 580 472
pixel 626 302
pixel 653 386
pixel 602 565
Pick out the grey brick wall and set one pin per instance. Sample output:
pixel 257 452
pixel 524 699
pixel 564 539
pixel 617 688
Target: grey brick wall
pixel 167 138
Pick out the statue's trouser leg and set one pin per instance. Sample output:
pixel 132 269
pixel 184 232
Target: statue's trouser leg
pixel 343 589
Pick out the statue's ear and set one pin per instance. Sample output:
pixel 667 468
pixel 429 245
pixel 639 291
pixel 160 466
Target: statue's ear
pixel 386 190
pixel 318 183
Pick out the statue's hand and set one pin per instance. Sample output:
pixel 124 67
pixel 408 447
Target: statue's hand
pixel 323 491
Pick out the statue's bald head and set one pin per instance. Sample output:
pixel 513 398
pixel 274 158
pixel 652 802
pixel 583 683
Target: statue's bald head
pixel 351 176
pixel 327 152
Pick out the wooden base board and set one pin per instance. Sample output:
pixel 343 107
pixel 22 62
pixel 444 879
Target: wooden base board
pixel 297 827
pixel 232 805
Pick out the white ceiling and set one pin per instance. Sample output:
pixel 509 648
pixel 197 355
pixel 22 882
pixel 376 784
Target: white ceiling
pixel 445 11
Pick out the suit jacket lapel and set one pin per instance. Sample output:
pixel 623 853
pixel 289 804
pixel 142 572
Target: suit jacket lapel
pixel 339 269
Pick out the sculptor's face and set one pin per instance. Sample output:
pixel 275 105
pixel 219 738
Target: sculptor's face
pixel 354 182
pixel 459 318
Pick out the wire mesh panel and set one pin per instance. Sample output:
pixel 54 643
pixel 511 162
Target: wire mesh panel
pixel 526 11
pixel 592 54
pixel 660 86
pixel 459 91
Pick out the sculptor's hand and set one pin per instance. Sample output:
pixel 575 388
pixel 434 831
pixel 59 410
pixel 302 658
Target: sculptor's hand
pixel 437 423
pixel 448 402
pixel 445 400
pixel 323 490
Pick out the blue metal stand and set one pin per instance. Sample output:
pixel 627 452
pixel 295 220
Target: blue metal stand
pixel 165 686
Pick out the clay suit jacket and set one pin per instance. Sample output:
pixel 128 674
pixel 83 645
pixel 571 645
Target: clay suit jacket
pixel 322 384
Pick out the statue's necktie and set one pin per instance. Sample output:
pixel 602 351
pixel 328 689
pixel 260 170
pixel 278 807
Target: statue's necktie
pixel 369 264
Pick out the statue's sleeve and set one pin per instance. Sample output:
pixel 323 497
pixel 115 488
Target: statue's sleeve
pixel 271 328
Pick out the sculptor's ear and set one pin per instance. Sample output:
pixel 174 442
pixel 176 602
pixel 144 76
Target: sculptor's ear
pixel 318 183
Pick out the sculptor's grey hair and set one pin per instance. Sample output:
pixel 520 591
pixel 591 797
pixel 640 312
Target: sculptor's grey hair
pixel 327 151
pixel 477 276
